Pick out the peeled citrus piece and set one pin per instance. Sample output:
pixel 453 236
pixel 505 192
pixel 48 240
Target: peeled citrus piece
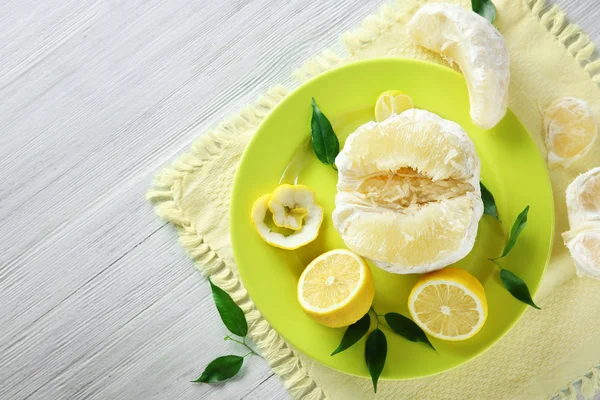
pixel 296 239
pixel 336 289
pixel 290 204
pixel 583 198
pixel 570 130
pixel 471 41
pixel 449 304
pixel 391 102
pixel 583 240
pixel 408 192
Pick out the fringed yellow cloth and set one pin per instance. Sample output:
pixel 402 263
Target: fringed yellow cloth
pixel 551 353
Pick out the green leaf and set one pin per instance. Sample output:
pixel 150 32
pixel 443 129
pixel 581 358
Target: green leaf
pixel 220 369
pixel 231 314
pixel 375 353
pixel 354 333
pixel 516 230
pixel 325 142
pixel 489 204
pixel 516 287
pixel 406 328
pixel 485 8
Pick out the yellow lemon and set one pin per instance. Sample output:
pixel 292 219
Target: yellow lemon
pixel 449 304
pixel 391 102
pixel 336 289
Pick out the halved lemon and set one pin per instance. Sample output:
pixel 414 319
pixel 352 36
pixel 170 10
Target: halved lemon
pixel 571 130
pixel 449 304
pixel 336 289
pixel 391 102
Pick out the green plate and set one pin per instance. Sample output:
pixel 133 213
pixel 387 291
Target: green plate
pixel 511 167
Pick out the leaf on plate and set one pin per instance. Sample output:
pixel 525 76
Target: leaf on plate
pixel 406 328
pixel 354 333
pixel 221 368
pixel 325 142
pixel 517 287
pixel 516 230
pixel 231 314
pixel 489 204
pixel 485 8
pixel 375 354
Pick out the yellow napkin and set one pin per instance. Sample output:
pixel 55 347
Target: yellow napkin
pixel 549 353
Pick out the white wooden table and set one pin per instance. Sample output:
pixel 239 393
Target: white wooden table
pixel 97 299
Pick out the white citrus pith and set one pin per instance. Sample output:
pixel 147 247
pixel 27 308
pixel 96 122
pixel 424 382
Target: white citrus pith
pixel 408 192
pixel 472 42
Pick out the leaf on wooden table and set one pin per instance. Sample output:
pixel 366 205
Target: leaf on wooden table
pixel 220 369
pixel 231 314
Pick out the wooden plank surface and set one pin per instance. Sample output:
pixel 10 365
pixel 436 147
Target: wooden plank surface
pixel 97 299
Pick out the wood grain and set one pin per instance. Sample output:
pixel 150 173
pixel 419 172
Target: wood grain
pixel 97 299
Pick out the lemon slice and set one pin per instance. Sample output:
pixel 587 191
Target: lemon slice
pixel 449 304
pixel 570 130
pixel 296 239
pixel 391 102
pixel 336 289
pixel 290 204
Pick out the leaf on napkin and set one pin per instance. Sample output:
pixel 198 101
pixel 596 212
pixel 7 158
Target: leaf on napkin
pixel 231 314
pixel 354 333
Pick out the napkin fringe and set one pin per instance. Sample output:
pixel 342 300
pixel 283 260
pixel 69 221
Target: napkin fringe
pixel 577 42
pixel 166 196
pixel 587 386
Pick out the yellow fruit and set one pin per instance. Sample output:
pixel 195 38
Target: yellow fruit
pixel 391 102
pixel 408 192
pixel 570 130
pixel 336 289
pixel 471 41
pixel 278 237
pixel 290 204
pixel 449 304
pixel 583 240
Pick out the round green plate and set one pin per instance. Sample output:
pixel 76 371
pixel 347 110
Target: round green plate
pixel 511 167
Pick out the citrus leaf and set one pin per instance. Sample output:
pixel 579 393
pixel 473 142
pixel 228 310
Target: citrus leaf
pixel 375 354
pixel 516 287
pixel 406 328
pixel 516 230
pixel 325 142
pixel 485 8
pixel 489 204
pixel 220 369
pixel 231 314
pixel 354 333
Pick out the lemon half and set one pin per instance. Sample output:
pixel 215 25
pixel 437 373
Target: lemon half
pixel 336 289
pixel 449 304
